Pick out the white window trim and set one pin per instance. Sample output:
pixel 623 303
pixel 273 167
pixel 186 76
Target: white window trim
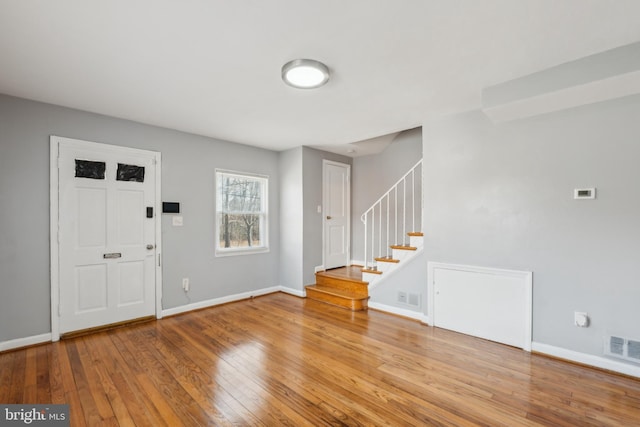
pixel 222 252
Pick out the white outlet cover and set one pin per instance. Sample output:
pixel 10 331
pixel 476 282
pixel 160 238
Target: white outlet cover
pixel 176 221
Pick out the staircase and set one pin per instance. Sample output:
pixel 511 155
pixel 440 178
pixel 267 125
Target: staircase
pixel 400 254
pixel 342 287
pixel 348 287
pixel 385 245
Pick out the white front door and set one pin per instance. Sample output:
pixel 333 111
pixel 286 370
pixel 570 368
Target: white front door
pixel 337 202
pixel 106 234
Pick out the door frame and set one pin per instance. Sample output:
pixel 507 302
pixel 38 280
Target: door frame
pixel 54 184
pixel 326 162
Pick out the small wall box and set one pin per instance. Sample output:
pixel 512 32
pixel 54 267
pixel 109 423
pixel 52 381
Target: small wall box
pixel 584 193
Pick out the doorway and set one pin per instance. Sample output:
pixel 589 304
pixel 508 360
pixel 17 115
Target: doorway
pixel 336 191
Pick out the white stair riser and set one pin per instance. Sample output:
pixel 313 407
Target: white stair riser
pixel 385 266
pixel 401 254
pixel 416 241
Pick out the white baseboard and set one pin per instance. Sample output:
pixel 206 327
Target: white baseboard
pixel 398 311
pixel 217 301
pixel 291 291
pixel 357 262
pixel 25 342
pixel 587 359
pixel 318 268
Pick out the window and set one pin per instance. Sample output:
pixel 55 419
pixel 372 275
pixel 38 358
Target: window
pixel 241 208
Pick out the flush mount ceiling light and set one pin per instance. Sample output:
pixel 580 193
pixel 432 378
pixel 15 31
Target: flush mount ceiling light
pixel 305 73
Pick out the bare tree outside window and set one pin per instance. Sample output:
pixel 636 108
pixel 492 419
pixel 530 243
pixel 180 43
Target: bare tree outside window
pixel 241 206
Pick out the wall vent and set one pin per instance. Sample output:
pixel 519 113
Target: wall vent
pixel 616 346
pixel 633 349
pixel 623 348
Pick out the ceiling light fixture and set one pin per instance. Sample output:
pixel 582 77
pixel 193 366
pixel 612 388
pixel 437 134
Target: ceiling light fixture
pixel 305 73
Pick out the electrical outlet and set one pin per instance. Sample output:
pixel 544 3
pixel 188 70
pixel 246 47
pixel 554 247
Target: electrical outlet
pixel 185 284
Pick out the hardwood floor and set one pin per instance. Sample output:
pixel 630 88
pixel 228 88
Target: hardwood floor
pixel 280 360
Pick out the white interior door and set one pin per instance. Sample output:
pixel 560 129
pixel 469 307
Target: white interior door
pixel 106 234
pixel 337 200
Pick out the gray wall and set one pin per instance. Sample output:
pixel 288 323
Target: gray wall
pixel 502 196
pixel 189 162
pixel 291 218
pixel 301 224
pixel 373 175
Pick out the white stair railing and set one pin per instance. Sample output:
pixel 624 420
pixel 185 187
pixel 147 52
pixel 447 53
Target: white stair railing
pixel 386 221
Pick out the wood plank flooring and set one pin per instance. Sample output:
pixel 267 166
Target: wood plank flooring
pixel 281 360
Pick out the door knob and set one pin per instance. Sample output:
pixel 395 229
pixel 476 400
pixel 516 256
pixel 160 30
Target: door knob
pixel 150 247
pixel 328 217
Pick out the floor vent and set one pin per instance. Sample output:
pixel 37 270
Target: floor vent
pixel 623 348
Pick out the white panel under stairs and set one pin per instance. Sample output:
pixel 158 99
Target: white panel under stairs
pixel 489 303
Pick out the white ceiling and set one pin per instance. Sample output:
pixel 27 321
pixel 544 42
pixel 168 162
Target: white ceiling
pixel 212 67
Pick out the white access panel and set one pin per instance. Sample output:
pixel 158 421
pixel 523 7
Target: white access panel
pixel 493 304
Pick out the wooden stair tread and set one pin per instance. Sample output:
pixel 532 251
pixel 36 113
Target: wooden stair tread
pixel 344 293
pixel 416 234
pixel 366 270
pixel 404 248
pixel 384 259
pixel 341 277
pixel 344 298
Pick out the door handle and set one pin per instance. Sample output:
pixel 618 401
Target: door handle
pixel 112 255
pixel 328 217
pixel 150 246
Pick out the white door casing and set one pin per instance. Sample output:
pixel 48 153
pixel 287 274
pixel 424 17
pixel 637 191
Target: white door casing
pixel 105 249
pixel 337 213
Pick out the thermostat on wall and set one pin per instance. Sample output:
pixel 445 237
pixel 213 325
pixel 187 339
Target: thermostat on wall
pixel 584 193
pixel 170 207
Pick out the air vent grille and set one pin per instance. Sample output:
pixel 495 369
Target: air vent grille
pixel 616 345
pixel 623 348
pixel 633 349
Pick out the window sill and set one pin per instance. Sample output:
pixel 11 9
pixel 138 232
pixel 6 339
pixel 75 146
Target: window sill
pixel 243 251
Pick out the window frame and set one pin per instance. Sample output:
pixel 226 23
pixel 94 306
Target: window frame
pixel 263 213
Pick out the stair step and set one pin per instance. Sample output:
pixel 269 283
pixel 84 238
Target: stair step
pixel 355 301
pixel 404 248
pixel 416 234
pixel 350 284
pixel 386 259
pixel 368 270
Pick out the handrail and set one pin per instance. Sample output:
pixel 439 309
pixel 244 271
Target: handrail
pixel 399 211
